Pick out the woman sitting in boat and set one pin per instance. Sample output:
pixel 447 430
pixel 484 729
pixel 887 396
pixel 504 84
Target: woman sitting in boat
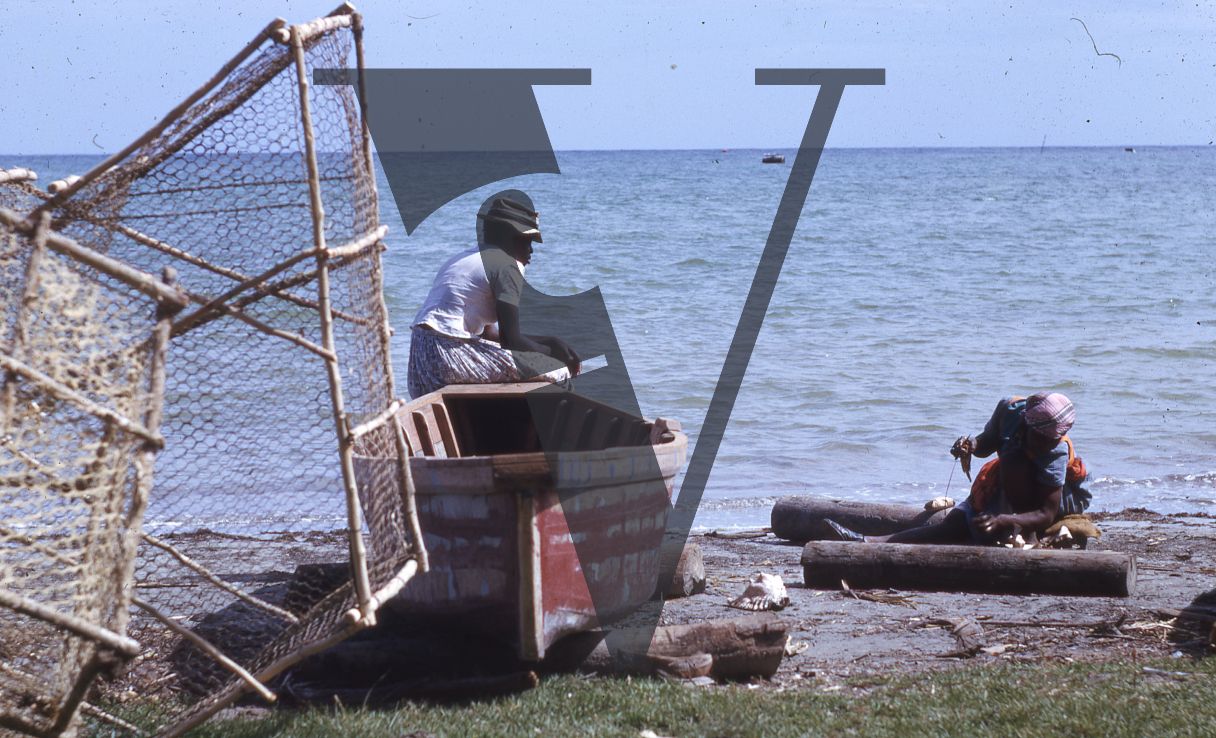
pixel 1036 478
pixel 467 331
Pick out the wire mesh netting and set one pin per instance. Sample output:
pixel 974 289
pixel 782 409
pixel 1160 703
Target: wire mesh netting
pixel 82 367
pixel 261 194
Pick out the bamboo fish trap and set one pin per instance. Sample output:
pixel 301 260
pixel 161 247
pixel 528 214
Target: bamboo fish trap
pixel 259 189
pixel 82 372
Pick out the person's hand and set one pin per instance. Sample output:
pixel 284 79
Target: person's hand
pixel 990 524
pixel 563 352
pixel 964 445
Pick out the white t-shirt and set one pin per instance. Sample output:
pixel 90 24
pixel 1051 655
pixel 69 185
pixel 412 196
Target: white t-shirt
pixel 461 300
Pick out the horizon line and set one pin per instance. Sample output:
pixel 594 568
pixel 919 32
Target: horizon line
pixel 725 149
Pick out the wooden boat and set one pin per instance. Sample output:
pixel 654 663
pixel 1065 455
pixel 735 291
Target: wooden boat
pixel 773 159
pixel 533 543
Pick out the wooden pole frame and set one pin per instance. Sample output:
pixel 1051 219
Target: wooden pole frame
pixel 354 512
pixel 70 395
pixel 206 647
pixel 154 243
pixel 409 499
pixel 235 312
pixel 134 278
pixel 218 307
pixel 117 643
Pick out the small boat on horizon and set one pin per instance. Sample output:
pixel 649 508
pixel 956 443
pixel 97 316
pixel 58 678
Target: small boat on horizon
pixel 773 159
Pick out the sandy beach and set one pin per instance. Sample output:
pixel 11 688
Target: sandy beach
pixel 850 639
pixel 842 641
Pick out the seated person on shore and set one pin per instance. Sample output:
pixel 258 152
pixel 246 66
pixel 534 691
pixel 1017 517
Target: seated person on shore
pixel 467 331
pixel 1035 479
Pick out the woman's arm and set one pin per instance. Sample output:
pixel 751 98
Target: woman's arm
pixel 1034 520
pixel 514 340
pixel 990 438
pixel 987 440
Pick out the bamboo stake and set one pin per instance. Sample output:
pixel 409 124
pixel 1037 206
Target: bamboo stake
pixel 117 643
pixel 206 647
pixel 240 315
pixel 169 118
pixel 364 428
pixel 408 498
pixel 186 323
pixel 359 245
pixel 390 590
pixel 358 554
pixel 134 278
pixel 66 711
pixel 70 395
pixel 198 261
pixel 348 253
pixel 60 185
pixel 204 572
pixel 296 281
pixel 307 31
pixel 99 714
pixel 364 130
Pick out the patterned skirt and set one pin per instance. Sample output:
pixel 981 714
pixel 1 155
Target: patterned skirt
pixel 437 360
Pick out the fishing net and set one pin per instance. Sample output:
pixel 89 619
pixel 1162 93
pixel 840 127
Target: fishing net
pixel 281 454
pixel 81 365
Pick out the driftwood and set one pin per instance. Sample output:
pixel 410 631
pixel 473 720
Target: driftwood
pixel 968 569
pixel 738 648
pixel 800 518
pixel 689 578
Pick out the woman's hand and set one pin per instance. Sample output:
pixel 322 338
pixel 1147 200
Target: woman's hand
pixel 565 354
pixel 991 524
pixel 964 445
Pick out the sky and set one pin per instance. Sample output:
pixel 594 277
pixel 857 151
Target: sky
pixel 87 77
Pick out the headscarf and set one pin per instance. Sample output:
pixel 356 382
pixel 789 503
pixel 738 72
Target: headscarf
pixel 1050 415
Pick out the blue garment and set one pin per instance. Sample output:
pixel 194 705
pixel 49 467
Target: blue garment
pixel 1048 470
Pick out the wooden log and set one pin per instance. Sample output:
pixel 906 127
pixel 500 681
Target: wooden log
pixel 968 569
pixel 689 578
pixel 800 518
pixel 738 648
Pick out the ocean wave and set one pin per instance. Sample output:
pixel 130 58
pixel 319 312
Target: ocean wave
pixel 1200 479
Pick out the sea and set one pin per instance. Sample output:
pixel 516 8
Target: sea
pixel 921 287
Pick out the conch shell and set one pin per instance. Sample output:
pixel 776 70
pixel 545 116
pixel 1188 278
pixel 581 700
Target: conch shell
pixel 764 592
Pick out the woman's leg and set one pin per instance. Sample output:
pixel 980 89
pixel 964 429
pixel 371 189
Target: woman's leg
pixel 952 529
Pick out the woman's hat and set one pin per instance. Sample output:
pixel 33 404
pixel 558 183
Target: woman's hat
pixel 524 220
pixel 1050 415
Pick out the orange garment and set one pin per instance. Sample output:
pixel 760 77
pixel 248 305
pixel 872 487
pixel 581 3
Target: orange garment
pixel 988 481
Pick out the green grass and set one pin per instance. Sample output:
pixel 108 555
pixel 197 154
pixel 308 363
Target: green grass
pixel 1047 701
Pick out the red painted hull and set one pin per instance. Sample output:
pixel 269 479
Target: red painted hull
pixel 498 527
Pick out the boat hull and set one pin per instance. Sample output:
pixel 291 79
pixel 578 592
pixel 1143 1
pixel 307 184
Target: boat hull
pixel 537 544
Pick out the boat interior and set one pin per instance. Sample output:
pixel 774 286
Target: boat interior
pixel 468 421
